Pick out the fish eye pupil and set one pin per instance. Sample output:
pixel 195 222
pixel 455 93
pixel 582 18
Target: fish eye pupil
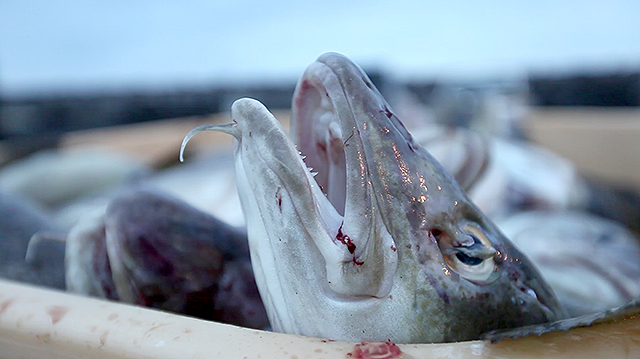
pixel 470 261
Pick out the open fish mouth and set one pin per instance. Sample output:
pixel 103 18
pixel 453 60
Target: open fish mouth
pixel 358 233
pixel 325 179
pixel 327 134
pixel 313 240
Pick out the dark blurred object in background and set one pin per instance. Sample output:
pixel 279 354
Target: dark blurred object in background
pixel 61 113
pixel 586 90
pixel 38 118
pixel 19 220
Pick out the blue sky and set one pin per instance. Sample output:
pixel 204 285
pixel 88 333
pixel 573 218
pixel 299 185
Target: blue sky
pixel 51 45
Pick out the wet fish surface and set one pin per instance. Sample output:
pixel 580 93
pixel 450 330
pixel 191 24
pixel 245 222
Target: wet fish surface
pixel 151 249
pixel 590 262
pixel 382 244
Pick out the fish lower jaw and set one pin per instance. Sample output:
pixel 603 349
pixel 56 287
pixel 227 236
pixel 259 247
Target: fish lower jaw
pixel 363 261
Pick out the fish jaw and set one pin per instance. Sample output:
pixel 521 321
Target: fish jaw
pixel 302 252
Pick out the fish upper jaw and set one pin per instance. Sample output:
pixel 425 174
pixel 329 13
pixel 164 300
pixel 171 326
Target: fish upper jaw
pixel 341 122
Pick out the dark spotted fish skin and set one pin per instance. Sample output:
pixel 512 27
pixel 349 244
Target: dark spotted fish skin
pixel 162 253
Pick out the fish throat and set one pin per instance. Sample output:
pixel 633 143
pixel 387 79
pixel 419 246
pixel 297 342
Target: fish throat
pixel 318 136
pixel 327 135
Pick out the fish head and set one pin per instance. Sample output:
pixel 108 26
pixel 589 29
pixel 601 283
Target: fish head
pixel 382 244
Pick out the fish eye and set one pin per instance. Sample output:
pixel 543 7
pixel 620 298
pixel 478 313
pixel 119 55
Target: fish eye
pixel 472 259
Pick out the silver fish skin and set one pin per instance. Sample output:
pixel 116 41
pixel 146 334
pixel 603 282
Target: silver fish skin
pixel 385 245
pixel 590 262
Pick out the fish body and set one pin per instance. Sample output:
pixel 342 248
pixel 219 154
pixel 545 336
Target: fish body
pixel 151 249
pixel 382 244
pixel 591 263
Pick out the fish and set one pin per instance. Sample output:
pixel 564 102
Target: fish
pixel 590 262
pixel 151 249
pixel 505 176
pixel 69 175
pixel 207 183
pixel 610 316
pixel 357 233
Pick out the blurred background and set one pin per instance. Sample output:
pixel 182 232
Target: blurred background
pixel 66 65
pixel 497 67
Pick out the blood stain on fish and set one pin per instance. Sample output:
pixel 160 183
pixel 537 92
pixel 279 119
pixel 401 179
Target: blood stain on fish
pixel 344 239
pixel 279 198
pixel 387 112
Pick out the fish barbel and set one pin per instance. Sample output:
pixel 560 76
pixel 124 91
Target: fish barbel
pixel 382 244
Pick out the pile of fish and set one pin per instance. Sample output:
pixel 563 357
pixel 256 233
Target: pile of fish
pixel 349 228
pixel 124 239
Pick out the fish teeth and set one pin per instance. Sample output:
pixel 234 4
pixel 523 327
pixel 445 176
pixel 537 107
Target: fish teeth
pixel 314 174
pixel 303 157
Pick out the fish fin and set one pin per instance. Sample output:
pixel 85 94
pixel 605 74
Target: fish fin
pixel 626 311
pixel 229 128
